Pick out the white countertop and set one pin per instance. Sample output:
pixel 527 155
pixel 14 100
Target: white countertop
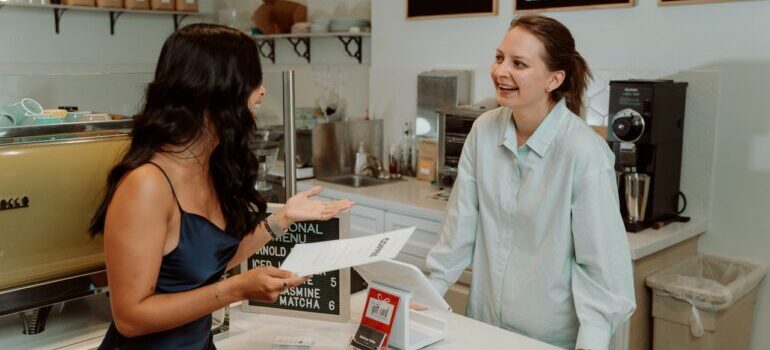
pixel 83 324
pixel 408 196
pixel 257 331
pixel 649 241
pixel 413 197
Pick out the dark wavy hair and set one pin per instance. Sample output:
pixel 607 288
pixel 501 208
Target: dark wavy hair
pixel 560 54
pixel 203 69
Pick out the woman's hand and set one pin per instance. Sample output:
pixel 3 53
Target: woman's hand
pixel 265 284
pixel 301 207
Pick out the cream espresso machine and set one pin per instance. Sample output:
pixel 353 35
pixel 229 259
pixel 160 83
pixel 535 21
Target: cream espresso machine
pixel 52 179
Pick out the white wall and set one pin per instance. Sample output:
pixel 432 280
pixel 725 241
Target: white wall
pixel 83 65
pixel 727 37
pixel 28 37
pixel 331 71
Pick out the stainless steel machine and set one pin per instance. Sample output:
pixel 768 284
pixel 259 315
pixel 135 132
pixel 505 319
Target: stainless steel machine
pixel 454 124
pixel 439 89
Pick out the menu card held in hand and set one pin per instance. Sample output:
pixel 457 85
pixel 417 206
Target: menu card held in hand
pixel 314 258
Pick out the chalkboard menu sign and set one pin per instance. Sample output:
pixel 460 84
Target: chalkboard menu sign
pixel 449 8
pixel 525 6
pixel 325 296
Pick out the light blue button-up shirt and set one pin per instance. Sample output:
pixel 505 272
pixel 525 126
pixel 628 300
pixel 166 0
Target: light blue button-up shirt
pixel 548 248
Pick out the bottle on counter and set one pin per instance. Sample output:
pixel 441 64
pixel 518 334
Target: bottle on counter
pixel 394 158
pixel 360 159
pixel 406 152
pixel 415 156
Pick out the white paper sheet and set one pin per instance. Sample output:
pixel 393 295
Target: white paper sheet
pixel 314 258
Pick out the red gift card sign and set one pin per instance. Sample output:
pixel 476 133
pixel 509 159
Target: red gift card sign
pixel 377 320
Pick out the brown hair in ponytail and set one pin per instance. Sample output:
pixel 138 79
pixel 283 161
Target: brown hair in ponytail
pixel 560 54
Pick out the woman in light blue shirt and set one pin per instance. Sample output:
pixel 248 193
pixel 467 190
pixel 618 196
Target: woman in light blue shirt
pixel 534 208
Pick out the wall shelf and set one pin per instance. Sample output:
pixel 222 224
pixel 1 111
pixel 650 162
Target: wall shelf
pixel 114 13
pixel 301 43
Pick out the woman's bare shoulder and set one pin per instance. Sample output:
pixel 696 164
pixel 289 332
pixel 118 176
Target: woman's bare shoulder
pixel 143 193
pixel 146 182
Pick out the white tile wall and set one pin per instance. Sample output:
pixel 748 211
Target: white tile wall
pixel 349 83
pixel 701 111
pixel 122 92
pixel 119 93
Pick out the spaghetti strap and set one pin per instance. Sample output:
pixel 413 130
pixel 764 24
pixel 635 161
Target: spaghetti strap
pixel 170 184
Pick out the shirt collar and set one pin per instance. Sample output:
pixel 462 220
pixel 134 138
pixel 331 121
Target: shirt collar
pixel 544 134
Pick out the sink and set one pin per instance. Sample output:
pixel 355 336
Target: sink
pixel 358 180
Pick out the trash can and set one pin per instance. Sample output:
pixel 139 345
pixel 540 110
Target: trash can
pixel 704 303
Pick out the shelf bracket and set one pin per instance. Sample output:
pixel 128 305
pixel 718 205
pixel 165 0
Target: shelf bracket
pixel 114 15
pixel 296 41
pixel 57 13
pixel 347 40
pixel 270 46
pixel 178 20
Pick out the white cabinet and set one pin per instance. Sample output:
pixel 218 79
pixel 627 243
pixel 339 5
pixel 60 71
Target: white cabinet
pixel 366 221
pixel 457 297
pixel 423 238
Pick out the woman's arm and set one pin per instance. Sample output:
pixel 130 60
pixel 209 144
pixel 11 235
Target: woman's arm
pixel 135 234
pixel 300 207
pixel 602 277
pixel 249 245
pixel 453 252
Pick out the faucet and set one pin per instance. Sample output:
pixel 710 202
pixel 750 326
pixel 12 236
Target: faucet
pixel 372 168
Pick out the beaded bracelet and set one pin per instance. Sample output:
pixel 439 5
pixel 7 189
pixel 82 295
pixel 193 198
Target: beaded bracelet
pixel 272 227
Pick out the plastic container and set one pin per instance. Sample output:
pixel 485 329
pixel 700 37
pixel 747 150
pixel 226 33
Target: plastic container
pixel 360 160
pixel 705 302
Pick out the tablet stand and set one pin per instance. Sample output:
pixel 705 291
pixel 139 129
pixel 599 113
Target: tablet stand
pixel 412 329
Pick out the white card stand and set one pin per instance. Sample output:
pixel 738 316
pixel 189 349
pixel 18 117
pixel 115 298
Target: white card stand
pixel 412 329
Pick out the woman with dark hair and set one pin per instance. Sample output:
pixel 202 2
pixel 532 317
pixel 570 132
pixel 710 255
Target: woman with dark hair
pixel 181 207
pixel 534 207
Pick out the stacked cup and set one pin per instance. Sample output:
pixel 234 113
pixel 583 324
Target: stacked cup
pixel 17 113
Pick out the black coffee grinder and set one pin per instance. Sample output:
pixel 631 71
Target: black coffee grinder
pixel 646 119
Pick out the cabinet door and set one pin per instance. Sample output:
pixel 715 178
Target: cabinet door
pixel 363 220
pixel 366 221
pixel 457 297
pixel 424 237
pixel 413 260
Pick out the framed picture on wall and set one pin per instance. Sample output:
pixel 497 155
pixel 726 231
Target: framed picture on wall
pixel 419 9
pixel 531 6
pixel 685 2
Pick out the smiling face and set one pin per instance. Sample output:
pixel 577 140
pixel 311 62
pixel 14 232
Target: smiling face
pixel 520 74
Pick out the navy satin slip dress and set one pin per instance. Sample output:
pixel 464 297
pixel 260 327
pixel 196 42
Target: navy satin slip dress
pixel 200 259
